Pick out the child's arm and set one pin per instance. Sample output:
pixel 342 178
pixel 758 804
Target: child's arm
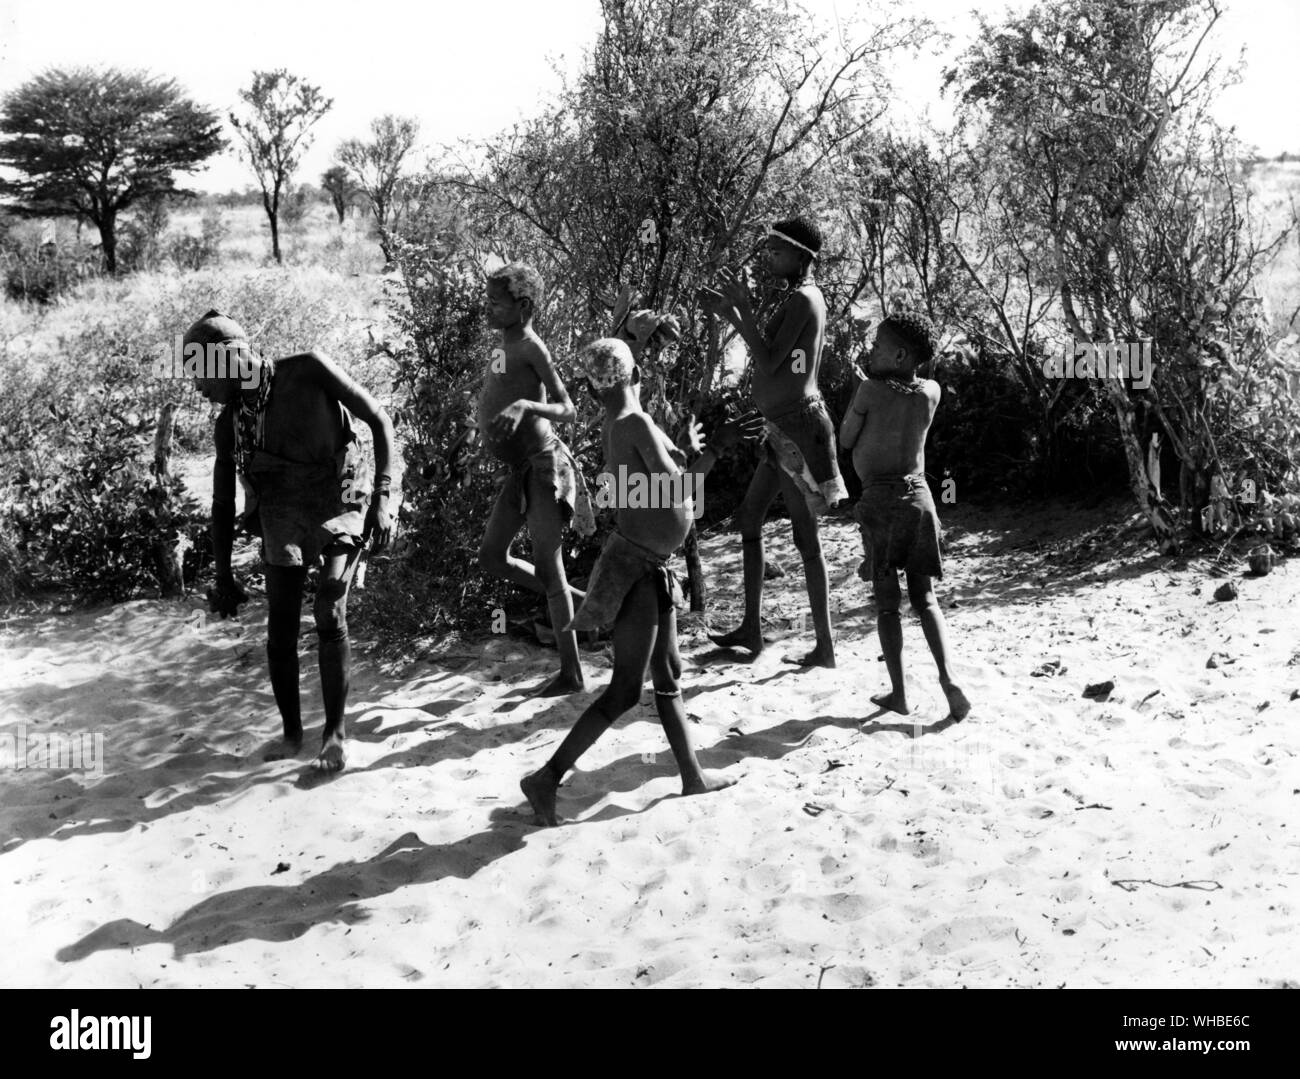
pixel 223 493
pixel 225 596
pixel 726 435
pixel 855 419
pixel 768 356
pixel 558 408
pixel 331 378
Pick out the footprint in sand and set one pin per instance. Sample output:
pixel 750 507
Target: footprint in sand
pixel 1232 766
pixel 964 932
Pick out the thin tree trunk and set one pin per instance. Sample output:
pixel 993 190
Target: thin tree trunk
pixel 695 571
pixel 108 239
pixel 1139 482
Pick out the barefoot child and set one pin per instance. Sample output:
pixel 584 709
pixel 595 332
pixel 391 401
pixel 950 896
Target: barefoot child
pixel 285 430
pixel 800 461
pixel 885 429
pixel 632 586
pixel 522 395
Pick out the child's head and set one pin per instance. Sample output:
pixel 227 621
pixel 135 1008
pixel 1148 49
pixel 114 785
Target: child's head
pixel 608 365
pixel 791 246
pixel 226 358
pixel 514 293
pixel 904 341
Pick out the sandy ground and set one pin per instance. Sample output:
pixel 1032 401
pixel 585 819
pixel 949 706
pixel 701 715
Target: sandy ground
pixel 1150 839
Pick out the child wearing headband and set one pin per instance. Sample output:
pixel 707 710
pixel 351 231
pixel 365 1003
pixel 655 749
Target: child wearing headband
pixel 800 462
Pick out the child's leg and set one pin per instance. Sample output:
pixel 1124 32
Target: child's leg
pixel 762 490
pixel 494 555
pixel 284 586
pixel 335 653
pixel 666 671
pixel 920 591
pixel 804 524
pixel 547 531
pixel 634 638
pixel 889 625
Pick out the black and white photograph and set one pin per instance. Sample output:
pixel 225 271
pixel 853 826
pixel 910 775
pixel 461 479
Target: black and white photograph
pixel 686 494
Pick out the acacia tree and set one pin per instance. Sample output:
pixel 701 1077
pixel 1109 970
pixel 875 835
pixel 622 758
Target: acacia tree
pixel 89 144
pixel 376 169
pixel 335 182
pixel 280 111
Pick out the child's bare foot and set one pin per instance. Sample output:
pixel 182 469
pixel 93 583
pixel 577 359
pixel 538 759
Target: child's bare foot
pixel 332 757
pixel 894 701
pixel 741 637
pixel 708 782
pixel 821 656
pixel 539 788
pixel 288 746
pixel 563 683
pixel 958 705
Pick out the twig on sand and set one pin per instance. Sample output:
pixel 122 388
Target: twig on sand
pixel 1195 885
pixel 822 974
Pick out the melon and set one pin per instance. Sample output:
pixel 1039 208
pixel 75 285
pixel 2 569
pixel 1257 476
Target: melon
pixel 1261 560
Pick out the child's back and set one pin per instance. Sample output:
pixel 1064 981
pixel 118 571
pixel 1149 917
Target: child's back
pixel 892 443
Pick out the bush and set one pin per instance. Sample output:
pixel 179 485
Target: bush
pixel 199 252
pixel 98 522
pixel 40 273
pixel 140 238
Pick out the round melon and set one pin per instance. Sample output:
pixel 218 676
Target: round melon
pixel 1261 560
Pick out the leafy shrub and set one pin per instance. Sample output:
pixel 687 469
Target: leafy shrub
pixel 140 238
pixel 40 273
pixel 97 521
pixel 199 252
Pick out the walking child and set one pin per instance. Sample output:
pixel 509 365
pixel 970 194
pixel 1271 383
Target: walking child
pixel 522 396
pixel 632 585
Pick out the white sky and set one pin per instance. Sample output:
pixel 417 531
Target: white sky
pixel 469 70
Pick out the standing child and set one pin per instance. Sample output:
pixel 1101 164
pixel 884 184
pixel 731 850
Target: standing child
pixel 522 396
pixel 800 463
pixel 885 429
pixel 632 585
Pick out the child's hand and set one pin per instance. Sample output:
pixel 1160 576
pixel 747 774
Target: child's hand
pixel 715 302
pixel 745 428
pixel 506 422
pixel 379 521
pixel 734 288
pixel 690 439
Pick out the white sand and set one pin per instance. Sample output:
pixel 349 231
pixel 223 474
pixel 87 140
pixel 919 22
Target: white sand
pixel 989 853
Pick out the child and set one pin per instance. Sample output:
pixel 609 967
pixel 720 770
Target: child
pixel 632 586
pixel 284 429
pixel 885 429
pixel 522 395
pixel 800 462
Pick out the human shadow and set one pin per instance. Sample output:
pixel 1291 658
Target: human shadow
pixel 276 913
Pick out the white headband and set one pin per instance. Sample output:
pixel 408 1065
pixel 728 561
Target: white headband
pixel 774 231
